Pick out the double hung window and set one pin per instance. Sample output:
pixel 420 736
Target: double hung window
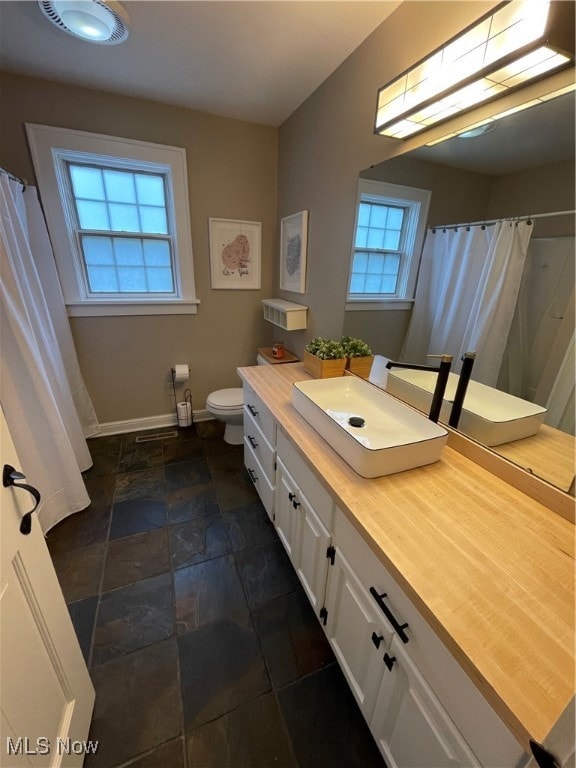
pixel 118 216
pixel 388 237
pixel 123 230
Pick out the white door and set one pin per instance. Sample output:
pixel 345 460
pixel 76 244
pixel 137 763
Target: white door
pixel 46 695
pixel 311 553
pixel 358 637
pixel 286 518
pixel 410 725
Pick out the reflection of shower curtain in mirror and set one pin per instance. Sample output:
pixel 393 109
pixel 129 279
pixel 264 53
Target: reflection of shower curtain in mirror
pixel 541 342
pixel 467 289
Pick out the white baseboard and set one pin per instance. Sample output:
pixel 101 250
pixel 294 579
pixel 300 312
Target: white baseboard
pixel 147 423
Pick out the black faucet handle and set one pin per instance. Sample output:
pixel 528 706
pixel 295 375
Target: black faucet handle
pixel 468 359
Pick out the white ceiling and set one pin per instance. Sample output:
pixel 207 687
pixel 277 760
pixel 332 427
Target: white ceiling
pixel 254 60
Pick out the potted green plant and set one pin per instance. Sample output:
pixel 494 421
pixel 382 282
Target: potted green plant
pixel 324 358
pixel 359 356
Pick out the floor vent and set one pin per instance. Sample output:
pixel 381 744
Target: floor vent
pixel 156 436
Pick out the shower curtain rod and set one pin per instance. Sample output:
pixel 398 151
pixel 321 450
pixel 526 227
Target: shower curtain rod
pixel 495 221
pixel 14 178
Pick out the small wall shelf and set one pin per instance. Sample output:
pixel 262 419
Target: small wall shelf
pixel 286 314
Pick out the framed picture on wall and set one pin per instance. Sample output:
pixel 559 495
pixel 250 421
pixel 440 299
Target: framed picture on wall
pixel 235 253
pixel 293 244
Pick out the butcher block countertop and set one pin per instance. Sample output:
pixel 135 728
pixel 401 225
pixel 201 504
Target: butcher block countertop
pixel 489 568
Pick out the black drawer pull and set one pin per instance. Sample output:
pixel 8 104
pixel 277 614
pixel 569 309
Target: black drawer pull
pixel 253 476
pixel 389 661
pixel 252 441
pixel 252 410
pixel 291 496
pixel 398 628
pixel 377 639
pixel 295 504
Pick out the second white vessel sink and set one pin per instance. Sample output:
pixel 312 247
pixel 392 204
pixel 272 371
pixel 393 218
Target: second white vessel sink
pixel 369 429
pixel 490 416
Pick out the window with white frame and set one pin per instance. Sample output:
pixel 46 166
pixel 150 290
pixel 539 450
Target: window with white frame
pixel 118 215
pixel 388 236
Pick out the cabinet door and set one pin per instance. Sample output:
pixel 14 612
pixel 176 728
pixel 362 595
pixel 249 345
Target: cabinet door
pixel 410 725
pixel 356 633
pixel 310 555
pixel 286 517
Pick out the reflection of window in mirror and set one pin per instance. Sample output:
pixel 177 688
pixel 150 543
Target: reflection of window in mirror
pixel 388 235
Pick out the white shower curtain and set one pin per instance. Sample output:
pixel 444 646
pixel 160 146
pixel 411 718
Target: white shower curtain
pixel 467 290
pixel 47 408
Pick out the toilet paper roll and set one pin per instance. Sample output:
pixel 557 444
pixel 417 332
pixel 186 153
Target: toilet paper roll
pixel 181 373
pixel 184 413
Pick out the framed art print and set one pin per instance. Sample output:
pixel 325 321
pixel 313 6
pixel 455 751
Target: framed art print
pixel 235 253
pixel 293 245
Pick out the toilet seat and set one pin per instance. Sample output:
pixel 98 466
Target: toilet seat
pixel 226 399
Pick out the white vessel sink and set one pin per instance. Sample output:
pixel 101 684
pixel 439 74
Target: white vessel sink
pixel 393 438
pixel 490 416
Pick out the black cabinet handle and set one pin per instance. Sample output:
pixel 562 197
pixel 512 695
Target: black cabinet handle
pixel 377 639
pixel 544 759
pixel 252 410
pixel 252 475
pixel 398 628
pixel 293 499
pixel 10 477
pixel 252 441
pixel 389 661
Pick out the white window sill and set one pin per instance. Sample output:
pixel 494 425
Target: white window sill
pixel 115 308
pixel 367 305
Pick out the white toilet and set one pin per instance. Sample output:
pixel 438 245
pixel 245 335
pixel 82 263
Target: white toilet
pixel 227 405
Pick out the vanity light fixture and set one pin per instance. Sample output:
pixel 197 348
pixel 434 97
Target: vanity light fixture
pixel 515 44
pixel 104 22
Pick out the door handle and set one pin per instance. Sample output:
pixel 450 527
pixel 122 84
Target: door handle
pixel 10 477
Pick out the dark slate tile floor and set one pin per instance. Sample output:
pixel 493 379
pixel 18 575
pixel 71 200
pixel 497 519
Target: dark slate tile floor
pixel 202 646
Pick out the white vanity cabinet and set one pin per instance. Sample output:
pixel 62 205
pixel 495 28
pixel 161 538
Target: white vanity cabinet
pixel 408 618
pixel 259 447
pixel 303 515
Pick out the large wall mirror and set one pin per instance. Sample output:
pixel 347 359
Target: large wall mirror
pixel 523 167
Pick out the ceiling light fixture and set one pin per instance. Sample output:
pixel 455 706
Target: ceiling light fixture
pixel 104 22
pixel 491 121
pixel 478 130
pixel 516 44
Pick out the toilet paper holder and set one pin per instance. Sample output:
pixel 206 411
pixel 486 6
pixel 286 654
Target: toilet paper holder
pixel 177 377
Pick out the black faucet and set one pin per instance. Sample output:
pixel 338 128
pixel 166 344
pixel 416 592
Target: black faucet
pixel 443 371
pixel 465 373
